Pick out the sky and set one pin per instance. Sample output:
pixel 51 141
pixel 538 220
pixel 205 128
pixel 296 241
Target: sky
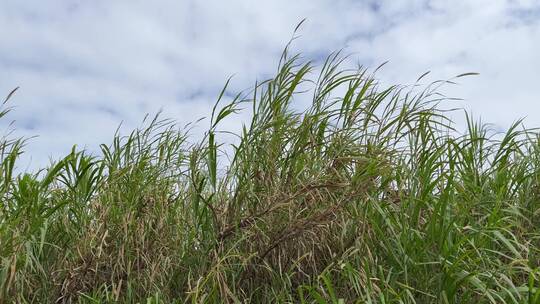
pixel 84 67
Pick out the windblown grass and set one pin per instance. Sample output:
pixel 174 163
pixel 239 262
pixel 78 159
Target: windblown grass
pixel 369 195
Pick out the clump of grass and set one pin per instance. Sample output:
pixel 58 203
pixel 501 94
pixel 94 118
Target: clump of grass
pixel 368 195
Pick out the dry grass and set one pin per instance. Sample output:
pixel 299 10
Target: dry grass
pixel 368 196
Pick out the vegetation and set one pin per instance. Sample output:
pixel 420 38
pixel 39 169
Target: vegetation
pixel 367 196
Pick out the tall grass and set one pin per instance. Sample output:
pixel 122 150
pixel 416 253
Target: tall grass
pixel 368 195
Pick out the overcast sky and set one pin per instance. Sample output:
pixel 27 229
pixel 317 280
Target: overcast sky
pixel 85 66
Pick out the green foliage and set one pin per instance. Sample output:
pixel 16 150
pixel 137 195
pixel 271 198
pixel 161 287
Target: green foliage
pixel 369 195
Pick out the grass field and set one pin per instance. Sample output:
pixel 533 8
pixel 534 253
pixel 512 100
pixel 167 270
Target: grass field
pixel 369 195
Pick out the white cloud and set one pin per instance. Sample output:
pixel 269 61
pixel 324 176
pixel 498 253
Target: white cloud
pixel 84 67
